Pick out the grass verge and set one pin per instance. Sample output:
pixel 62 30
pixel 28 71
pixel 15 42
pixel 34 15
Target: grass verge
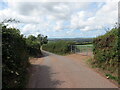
pixel 112 76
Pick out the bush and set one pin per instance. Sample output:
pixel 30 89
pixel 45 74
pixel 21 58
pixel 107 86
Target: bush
pixel 33 46
pixel 58 47
pixel 14 58
pixel 16 50
pixel 106 50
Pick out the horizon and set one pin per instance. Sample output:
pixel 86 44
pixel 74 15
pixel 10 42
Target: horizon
pixel 72 38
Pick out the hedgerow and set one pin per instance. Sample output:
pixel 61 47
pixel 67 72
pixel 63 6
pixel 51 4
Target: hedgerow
pixel 106 51
pixel 58 47
pixel 16 50
pixel 14 58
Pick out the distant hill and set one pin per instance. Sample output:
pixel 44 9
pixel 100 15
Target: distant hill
pixel 77 40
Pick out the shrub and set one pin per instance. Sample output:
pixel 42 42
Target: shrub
pixel 58 47
pixel 14 58
pixel 15 52
pixel 33 46
pixel 106 50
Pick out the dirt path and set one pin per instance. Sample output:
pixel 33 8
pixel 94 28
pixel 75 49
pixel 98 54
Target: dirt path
pixel 55 71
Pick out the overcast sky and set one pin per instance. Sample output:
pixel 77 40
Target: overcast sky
pixel 61 19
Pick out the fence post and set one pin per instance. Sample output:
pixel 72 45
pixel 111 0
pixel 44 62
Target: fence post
pixel 87 51
pixel 71 48
pixel 75 48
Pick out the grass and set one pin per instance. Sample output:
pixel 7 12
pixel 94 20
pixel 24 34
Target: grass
pixel 112 75
pixel 84 48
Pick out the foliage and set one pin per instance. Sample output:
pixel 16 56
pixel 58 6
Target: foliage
pixel 84 48
pixel 14 58
pixel 106 51
pixel 58 47
pixel 16 50
pixel 34 44
pixel 111 76
pixel 81 41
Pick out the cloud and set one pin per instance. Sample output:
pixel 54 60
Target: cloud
pixel 55 18
pixel 106 16
pixel 58 25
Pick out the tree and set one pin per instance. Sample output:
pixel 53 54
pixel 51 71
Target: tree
pixel 42 39
pixel 45 40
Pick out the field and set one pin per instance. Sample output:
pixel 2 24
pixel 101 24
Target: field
pixel 84 48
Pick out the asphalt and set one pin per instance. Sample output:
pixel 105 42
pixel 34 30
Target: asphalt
pixel 55 71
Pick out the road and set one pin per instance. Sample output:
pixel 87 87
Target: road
pixel 55 71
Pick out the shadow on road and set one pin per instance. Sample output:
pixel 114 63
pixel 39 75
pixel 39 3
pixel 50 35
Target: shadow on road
pixel 41 77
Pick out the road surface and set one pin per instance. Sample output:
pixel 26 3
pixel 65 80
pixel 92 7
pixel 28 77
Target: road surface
pixel 55 71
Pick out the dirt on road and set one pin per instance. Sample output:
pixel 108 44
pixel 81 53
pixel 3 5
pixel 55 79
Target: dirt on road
pixel 55 71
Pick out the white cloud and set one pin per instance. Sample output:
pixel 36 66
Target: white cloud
pixel 46 17
pixel 105 16
pixel 58 26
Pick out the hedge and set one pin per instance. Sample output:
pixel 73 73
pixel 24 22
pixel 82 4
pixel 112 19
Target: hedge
pixel 58 47
pixel 106 50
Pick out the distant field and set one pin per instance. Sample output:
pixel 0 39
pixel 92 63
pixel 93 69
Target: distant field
pixel 84 48
pixel 75 40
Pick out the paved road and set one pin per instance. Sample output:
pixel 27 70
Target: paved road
pixel 55 71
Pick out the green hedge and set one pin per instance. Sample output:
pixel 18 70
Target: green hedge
pixel 58 47
pixel 106 51
pixel 16 49
pixel 14 58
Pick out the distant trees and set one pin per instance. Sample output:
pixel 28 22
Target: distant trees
pixel 81 41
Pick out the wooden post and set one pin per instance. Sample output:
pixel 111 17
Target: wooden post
pixel 75 49
pixel 71 48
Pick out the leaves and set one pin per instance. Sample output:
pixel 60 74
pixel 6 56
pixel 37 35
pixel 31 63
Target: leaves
pixel 34 44
pixel 106 50
pixel 59 47
pixel 15 52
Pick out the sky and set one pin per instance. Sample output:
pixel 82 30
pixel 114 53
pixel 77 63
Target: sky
pixel 61 19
